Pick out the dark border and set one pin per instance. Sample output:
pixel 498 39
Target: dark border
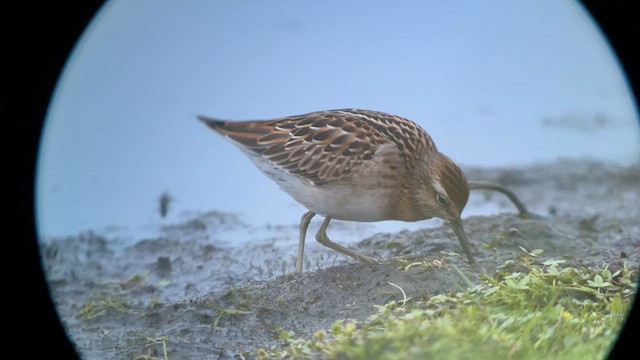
pixel 41 38
pixel 618 20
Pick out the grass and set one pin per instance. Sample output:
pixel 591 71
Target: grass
pixel 113 296
pixel 530 309
pixel 151 344
pixel 225 311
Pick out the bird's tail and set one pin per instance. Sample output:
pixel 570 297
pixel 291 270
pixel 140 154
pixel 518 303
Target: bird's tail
pixel 244 132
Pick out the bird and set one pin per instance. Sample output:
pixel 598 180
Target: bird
pixel 354 165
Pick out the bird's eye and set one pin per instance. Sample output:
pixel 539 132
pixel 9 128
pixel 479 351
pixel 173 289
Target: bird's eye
pixel 442 200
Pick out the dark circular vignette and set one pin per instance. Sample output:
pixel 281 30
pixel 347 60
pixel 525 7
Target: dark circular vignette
pixel 50 32
pixel 618 22
pixel 43 37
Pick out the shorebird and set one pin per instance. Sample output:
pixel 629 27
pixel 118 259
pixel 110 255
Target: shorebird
pixel 355 165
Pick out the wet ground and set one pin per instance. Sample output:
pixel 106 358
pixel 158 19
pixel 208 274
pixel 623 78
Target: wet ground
pixel 202 295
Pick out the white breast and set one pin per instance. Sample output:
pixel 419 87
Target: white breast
pixel 366 201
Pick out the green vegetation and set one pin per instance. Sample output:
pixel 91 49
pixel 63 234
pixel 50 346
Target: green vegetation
pixel 151 343
pixel 114 295
pixel 529 309
pixel 223 311
pixel 101 303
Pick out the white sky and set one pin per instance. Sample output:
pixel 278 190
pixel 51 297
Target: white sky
pixel 483 78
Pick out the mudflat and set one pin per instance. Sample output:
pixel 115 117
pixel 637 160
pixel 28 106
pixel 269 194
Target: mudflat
pixel 194 296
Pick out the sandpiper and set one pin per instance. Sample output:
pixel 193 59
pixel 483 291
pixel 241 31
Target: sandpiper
pixel 355 165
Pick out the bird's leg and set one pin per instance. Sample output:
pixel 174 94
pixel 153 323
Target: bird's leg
pixel 491 186
pixel 304 224
pixel 323 239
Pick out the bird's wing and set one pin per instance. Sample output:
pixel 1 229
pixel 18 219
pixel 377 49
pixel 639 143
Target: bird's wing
pixel 323 146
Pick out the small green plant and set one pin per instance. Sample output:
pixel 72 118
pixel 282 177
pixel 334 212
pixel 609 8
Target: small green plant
pixel 101 303
pixel 114 295
pixel 131 282
pixel 223 311
pixel 151 343
pixel 543 310
pixel 392 243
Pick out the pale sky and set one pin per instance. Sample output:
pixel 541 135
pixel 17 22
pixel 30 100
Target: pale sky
pixel 495 83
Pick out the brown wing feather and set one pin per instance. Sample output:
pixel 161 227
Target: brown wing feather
pixel 324 146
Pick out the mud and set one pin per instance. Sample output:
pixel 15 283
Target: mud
pixel 211 298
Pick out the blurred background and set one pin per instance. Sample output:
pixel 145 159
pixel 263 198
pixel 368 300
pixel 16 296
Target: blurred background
pixel 500 83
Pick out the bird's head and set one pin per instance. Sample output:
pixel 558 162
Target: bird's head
pixel 443 193
pixel 443 189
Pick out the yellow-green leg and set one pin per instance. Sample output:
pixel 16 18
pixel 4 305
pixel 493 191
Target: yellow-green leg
pixel 304 224
pixel 323 239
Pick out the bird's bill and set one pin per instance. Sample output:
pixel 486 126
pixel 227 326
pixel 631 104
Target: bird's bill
pixel 456 225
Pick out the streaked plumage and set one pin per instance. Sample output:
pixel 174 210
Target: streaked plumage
pixel 356 165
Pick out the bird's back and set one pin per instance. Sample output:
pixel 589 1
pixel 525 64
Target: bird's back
pixel 324 146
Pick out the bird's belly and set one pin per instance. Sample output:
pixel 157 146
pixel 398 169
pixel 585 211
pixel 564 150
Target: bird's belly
pixel 343 202
pixel 367 200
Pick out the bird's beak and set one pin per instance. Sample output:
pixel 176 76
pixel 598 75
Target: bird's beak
pixel 456 225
